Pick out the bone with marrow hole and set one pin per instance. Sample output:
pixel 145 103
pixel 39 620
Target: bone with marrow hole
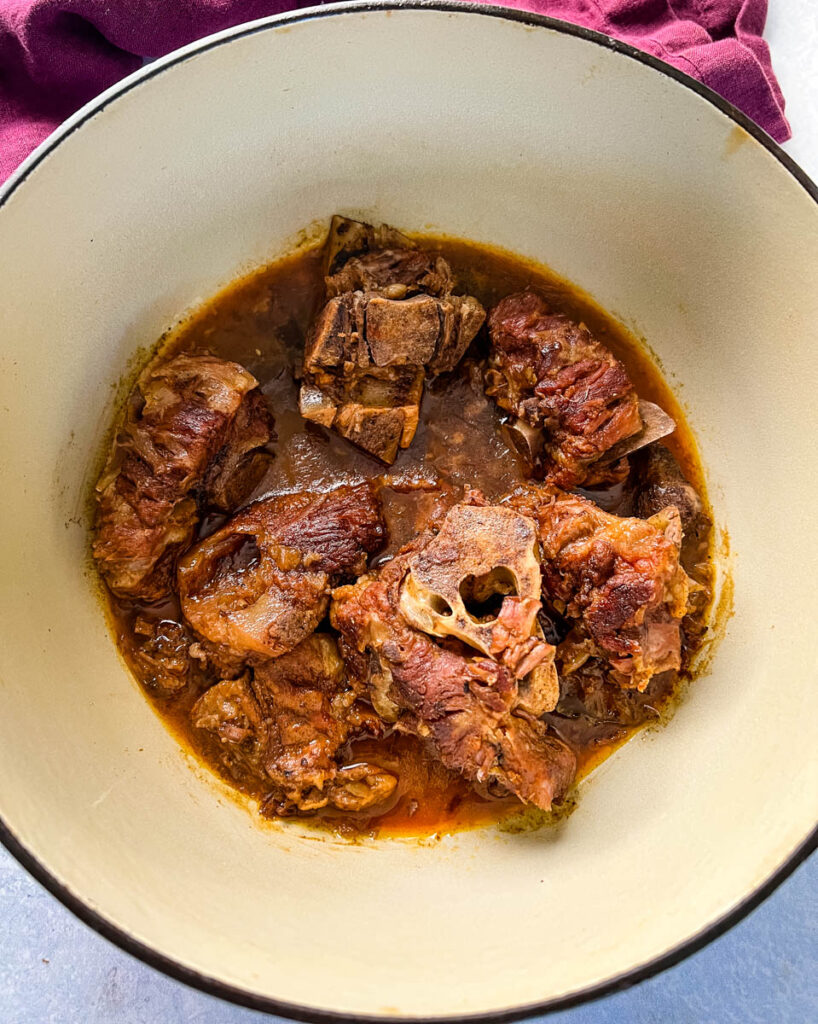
pixel 484 552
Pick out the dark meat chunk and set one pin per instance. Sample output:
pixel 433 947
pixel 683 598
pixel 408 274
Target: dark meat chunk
pixel 182 433
pixel 661 484
pixel 310 714
pixel 260 584
pixel 465 707
pixel 390 322
pixel 358 330
pixel 366 358
pixel 553 375
pixel 336 338
pixel 394 273
pixel 284 731
pixel 240 464
pixel 379 410
pixel 461 317
pixel 162 659
pixel 621 577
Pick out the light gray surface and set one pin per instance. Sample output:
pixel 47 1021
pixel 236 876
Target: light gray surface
pixel 54 969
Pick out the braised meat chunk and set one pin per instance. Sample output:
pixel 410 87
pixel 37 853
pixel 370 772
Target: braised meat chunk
pixel 163 655
pixel 230 713
pixel 393 273
pixel 311 713
pixel 241 461
pixel 366 359
pixel 261 584
pixel 620 576
pixel 470 709
pixel 555 377
pixel 287 727
pixel 391 321
pixel 347 238
pixel 380 260
pixel 195 422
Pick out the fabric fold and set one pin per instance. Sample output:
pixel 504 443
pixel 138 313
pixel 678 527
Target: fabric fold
pixel 56 55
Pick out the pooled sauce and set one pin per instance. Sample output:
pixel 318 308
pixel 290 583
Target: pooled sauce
pixel 260 322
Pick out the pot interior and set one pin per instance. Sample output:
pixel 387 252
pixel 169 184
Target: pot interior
pixel 528 137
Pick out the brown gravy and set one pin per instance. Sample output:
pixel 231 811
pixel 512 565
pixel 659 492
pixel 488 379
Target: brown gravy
pixel 260 321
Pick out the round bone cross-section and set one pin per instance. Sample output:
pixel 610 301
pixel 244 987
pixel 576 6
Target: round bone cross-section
pixel 481 552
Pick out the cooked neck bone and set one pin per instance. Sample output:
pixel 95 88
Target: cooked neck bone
pixel 260 584
pixel 391 321
pixel 470 710
pixel 621 577
pixel 347 238
pixel 556 377
pixel 480 552
pixel 195 423
pixel 395 273
pixel 366 358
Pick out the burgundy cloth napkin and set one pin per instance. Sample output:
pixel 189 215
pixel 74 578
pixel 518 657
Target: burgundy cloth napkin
pixel 56 55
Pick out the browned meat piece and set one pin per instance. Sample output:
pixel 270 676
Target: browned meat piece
pixel 390 322
pixel 395 273
pixel 377 409
pixel 162 659
pixel 358 330
pixel 661 483
pixel 311 713
pixel 366 358
pixel 360 257
pixel 466 707
pixel 621 577
pixel 240 464
pixel 554 375
pixel 230 713
pixel 287 727
pixel 260 584
pixel 182 430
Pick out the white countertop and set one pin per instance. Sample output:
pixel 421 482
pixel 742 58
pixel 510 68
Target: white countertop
pixel 792 32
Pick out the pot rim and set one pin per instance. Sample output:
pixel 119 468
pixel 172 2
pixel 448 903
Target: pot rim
pixel 232 993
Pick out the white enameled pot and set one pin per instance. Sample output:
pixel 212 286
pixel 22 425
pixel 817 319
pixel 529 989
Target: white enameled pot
pixel 674 213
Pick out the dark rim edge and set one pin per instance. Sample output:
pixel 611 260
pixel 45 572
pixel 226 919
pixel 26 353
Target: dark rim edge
pixel 212 986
